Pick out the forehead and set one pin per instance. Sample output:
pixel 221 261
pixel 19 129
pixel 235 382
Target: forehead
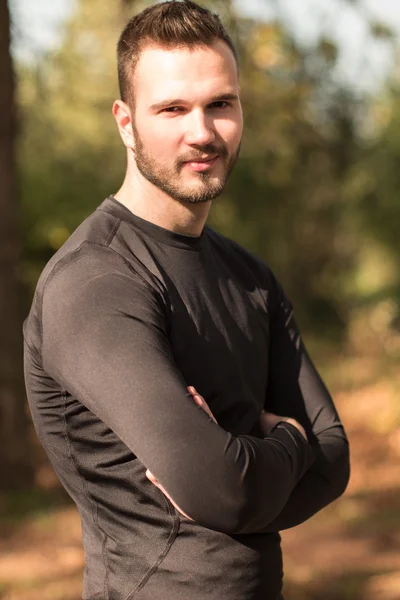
pixel 184 72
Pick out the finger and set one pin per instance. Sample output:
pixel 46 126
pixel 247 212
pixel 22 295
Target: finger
pixel 151 477
pixel 203 404
pixel 198 398
pixel 200 401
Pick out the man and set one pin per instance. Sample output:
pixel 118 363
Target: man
pixel 159 354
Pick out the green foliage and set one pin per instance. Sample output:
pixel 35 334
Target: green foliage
pixel 382 179
pixel 295 197
pixel 378 205
pixel 69 152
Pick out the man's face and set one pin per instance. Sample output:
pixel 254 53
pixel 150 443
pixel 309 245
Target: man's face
pixel 187 119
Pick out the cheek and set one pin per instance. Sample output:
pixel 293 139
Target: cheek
pixel 230 132
pixel 161 142
pixel 164 135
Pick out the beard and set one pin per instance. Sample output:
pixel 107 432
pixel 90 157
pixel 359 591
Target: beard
pixel 170 180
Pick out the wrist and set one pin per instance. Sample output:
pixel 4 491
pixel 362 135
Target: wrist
pixel 292 423
pixel 268 421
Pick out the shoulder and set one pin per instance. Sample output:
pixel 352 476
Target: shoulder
pixel 96 252
pixel 90 239
pixel 87 278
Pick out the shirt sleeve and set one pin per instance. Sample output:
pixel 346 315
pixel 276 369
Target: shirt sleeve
pixel 105 341
pixel 296 390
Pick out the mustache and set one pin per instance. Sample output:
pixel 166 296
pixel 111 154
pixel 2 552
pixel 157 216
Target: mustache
pixel 208 149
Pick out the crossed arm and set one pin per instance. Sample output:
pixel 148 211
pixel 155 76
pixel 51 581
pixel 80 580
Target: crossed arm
pixel 116 358
pixel 326 479
pixel 295 389
pixel 267 422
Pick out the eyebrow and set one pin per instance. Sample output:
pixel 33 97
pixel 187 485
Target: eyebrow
pixel 166 103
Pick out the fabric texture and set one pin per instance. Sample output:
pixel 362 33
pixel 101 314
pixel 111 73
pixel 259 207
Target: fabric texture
pixel 125 316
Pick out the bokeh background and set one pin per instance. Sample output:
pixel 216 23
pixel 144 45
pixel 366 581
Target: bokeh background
pixel 315 194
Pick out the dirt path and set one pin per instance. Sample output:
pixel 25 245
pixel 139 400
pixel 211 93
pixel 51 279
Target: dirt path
pixel 351 550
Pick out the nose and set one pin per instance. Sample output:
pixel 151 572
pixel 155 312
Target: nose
pixel 199 129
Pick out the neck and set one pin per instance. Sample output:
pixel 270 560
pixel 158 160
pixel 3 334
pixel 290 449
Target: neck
pixel 152 204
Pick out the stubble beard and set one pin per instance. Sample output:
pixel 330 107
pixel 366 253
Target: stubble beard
pixel 168 179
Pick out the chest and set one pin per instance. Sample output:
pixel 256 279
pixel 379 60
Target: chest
pixel 219 333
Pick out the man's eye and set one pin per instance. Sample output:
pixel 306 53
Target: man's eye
pixel 172 109
pixel 220 104
pixel 176 109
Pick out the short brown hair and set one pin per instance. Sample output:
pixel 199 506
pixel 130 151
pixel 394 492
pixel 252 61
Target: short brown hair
pixel 177 23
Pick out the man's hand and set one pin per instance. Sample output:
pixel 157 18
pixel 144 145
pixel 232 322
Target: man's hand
pixel 153 480
pixel 269 420
pixel 203 404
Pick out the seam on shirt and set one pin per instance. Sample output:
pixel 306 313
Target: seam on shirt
pixel 95 515
pixel 142 279
pixel 60 263
pixel 168 544
pixel 163 241
pixel 163 554
pixel 112 233
pixel 175 522
pixel 87 493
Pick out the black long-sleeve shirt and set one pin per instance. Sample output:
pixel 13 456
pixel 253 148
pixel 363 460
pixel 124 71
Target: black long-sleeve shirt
pixel 126 315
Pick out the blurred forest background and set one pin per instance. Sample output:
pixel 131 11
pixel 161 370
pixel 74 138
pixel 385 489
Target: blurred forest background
pixel 315 194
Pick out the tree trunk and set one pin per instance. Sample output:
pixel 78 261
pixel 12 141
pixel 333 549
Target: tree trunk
pixel 15 456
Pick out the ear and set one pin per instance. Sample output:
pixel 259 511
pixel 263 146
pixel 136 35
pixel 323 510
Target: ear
pixel 123 117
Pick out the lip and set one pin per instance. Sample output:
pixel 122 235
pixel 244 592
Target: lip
pixel 202 165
